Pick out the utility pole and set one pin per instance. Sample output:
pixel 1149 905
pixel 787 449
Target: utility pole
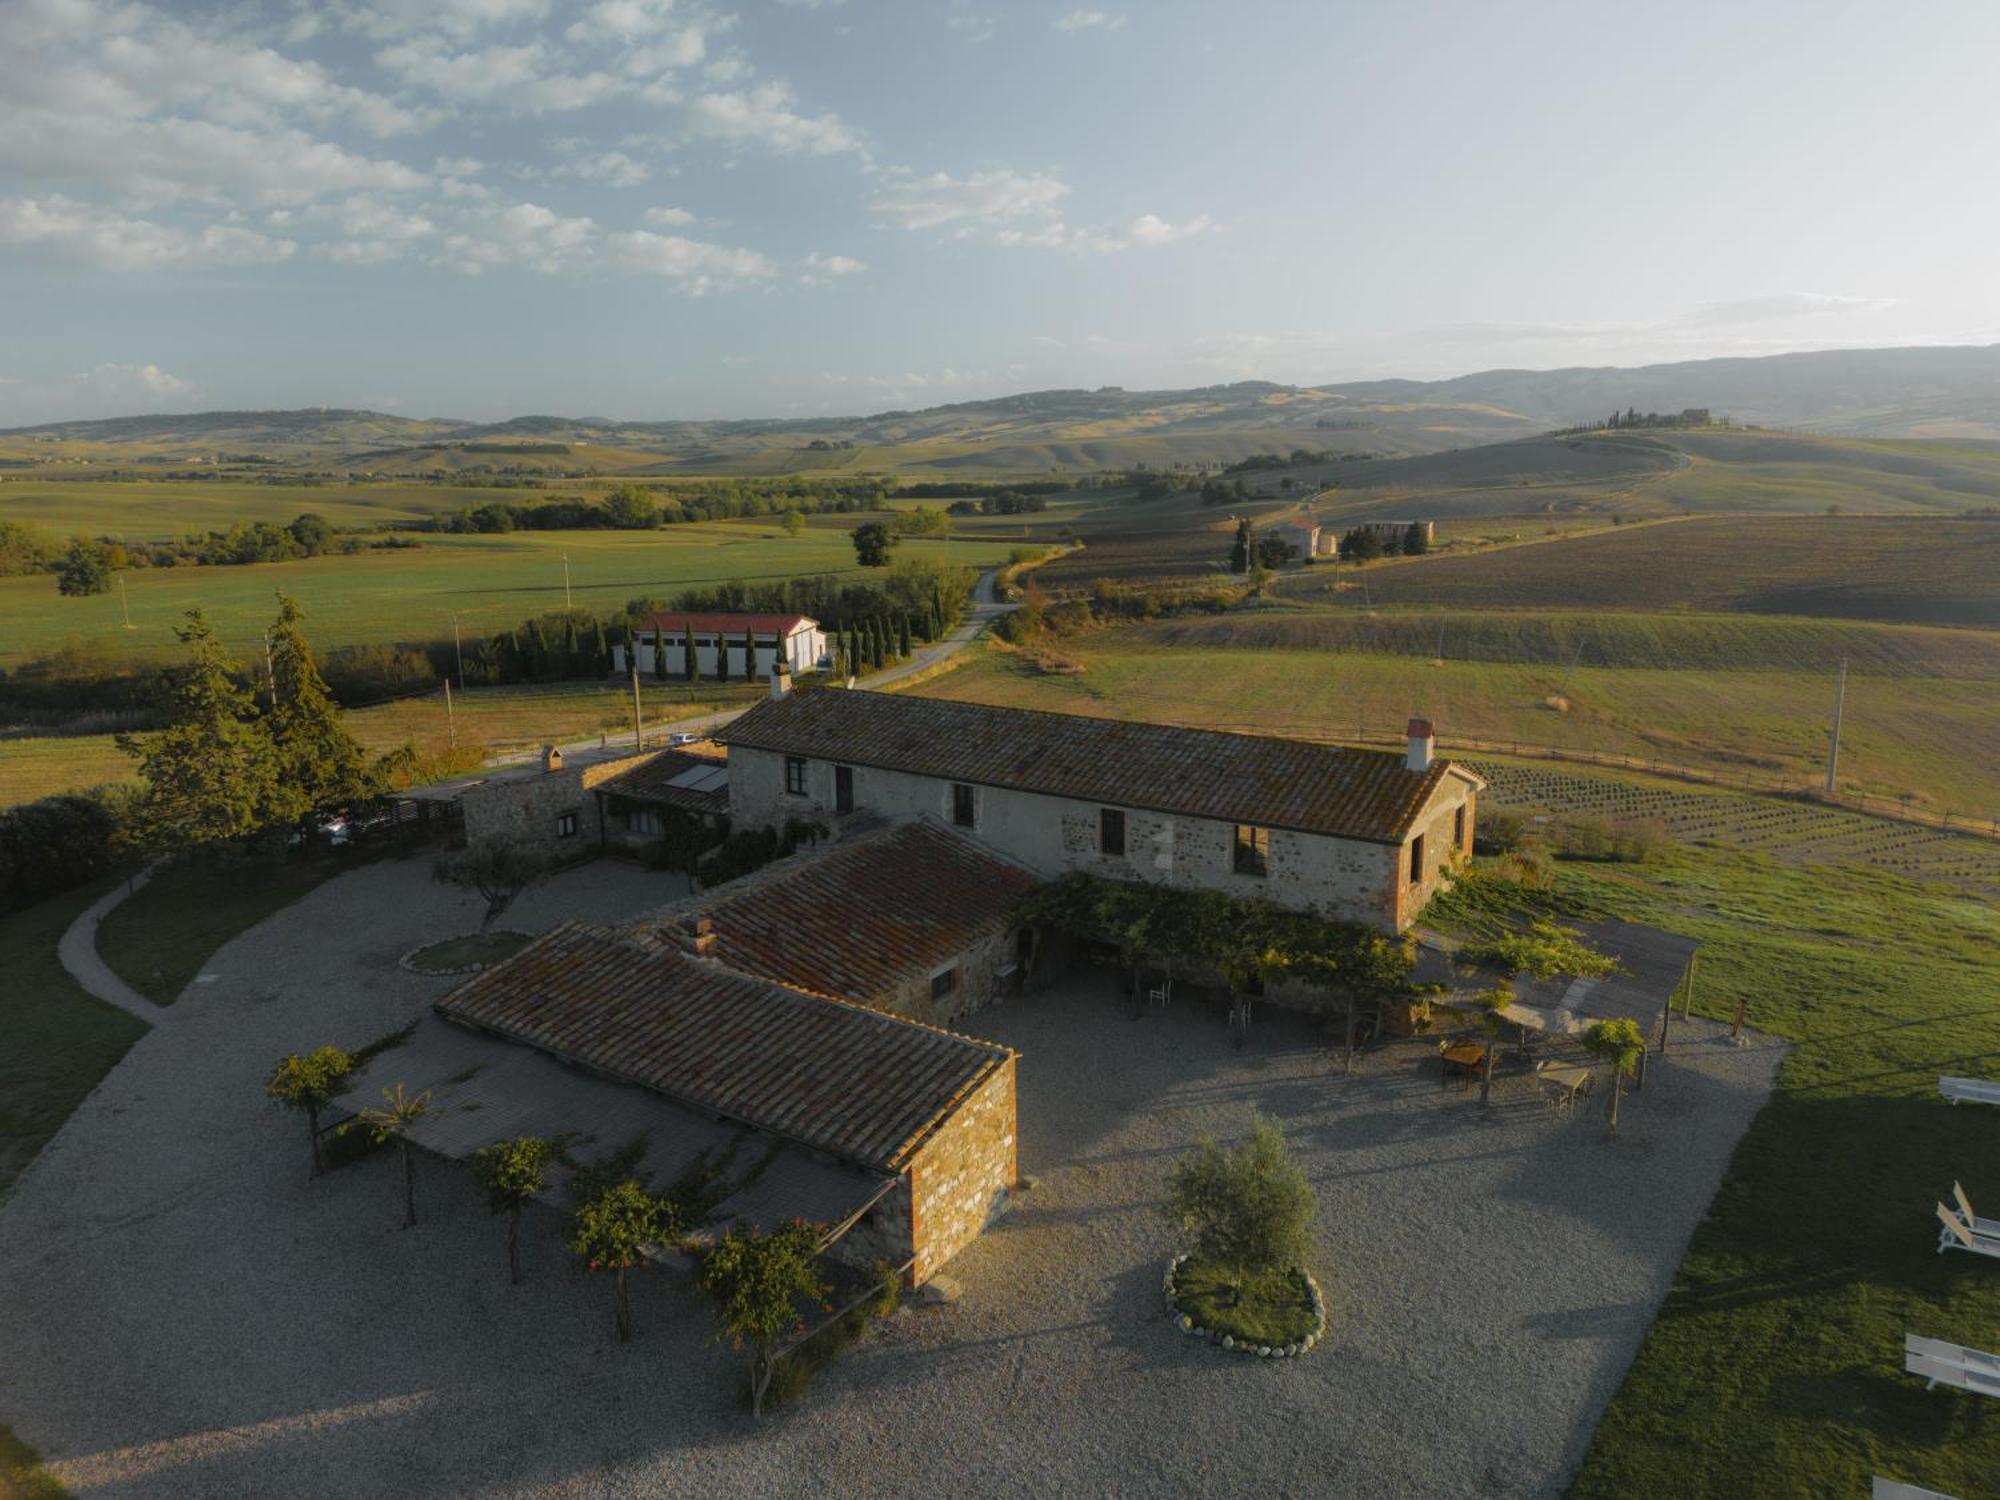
pixel 638 737
pixel 1833 748
pixel 1563 686
pixel 566 600
pixel 458 650
pixel 450 722
pixel 124 603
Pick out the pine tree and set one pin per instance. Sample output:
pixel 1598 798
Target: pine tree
pixel 210 774
pixel 320 766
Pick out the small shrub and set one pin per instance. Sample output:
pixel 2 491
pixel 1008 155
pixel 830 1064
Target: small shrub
pixel 1250 1209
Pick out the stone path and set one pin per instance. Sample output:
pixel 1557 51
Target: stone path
pixel 78 952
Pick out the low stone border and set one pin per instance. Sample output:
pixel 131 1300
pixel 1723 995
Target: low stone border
pixel 1188 1326
pixel 408 962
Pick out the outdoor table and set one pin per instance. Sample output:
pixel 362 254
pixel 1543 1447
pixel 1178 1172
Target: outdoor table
pixel 1466 1057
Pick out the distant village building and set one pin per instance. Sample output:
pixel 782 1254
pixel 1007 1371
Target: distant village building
pixel 794 639
pixel 1302 537
pixel 1361 835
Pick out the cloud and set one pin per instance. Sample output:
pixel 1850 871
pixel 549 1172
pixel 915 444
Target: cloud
pixel 1151 229
pixel 457 18
pixel 1090 20
pixel 66 232
pixel 972 25
pixel 494 238
pixel 1778 305
pixel 698 266
pixel 668 218
pixel 817 269
pixel 978 198
pixel 102 391
pixel 765 116
pixel 1146 230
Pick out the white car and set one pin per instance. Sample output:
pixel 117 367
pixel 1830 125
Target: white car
pixel 683 739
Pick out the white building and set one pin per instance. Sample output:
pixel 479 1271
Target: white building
pixel 797 638
pixel 1361 835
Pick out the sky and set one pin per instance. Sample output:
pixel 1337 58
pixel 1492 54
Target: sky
pixel 656 209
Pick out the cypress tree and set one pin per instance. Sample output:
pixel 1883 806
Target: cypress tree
pixel 659 654
pixel 749 655
pixel 903 637
pixel 693 661
pixel 875 652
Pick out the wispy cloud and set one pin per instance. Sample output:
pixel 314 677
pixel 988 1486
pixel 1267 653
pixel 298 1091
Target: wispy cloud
pixel 985 197
pixel 66 232
pixel 816 269
pixel 1090 20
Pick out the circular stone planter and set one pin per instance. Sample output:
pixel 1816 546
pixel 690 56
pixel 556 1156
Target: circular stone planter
pixel 505 942
pixel 1188 1327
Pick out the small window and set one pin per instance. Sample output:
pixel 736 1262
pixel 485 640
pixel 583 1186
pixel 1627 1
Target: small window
pixel 1111 832
pixel 963 810
pixel 566 825
pixel 1458 827
pixel 1417 860
pixel 943 984
pixel 644 820
pixel 1253 850
pixel 795 775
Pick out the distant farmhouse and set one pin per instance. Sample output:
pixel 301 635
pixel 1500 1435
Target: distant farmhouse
pixel 1361 835
pixel 793 639
pixel 1303 537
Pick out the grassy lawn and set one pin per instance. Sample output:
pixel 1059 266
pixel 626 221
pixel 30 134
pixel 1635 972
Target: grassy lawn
pixel 158 940
pixel 1775 1367
pixel 1928 736
pixel 1273 1308
pixel 60 1041
pixel 22 1476
pixel 477 948
pixel 489 582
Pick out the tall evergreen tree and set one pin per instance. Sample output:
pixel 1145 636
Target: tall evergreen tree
pixel 875 644
pixel 749 656
pixel 210 774
pixel 692 669
pixel 320 766
pixel 903 636
pixel 1239 553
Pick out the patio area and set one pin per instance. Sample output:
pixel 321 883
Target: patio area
pixel 185 1314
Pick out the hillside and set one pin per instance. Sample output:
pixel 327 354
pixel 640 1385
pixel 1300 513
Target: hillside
pixel 1940 571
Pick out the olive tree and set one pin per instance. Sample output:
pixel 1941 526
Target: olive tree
pixel 512 1172
pixel 497 869
pixel 308 1082
pixel 1248 1210
pixel 759 1283
pixel 400 1110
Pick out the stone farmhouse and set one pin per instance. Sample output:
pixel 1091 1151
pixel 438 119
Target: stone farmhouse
pixel 911 918
pixel 795 640
pixel 897 1138
pixel 1359 835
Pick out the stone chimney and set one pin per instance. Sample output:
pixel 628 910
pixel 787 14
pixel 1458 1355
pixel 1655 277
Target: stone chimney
pixel 551 758
pixel 697 936
pixel 781 678
pixel 1423 742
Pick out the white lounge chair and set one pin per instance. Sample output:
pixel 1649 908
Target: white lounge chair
pixel 1954 1365
pixel 1965 1230
pixel 1970 1090
pixel 1891 1489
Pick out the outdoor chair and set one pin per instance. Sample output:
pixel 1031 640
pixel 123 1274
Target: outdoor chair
pixel 1954 1365
pixel 1965 1230
pixel 1161 995
pixel 1970 1090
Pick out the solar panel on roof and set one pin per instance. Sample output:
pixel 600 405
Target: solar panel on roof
pixel 700 778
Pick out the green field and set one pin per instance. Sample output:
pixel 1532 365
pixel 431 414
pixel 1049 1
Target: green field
pixel 489 582
pixel 1936 571
pixel 152 510
pixel 500 719
pixel 1930 738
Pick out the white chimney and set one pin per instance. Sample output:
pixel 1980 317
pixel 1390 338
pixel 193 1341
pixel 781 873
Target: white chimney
pixel 1423 740
pixel 781 678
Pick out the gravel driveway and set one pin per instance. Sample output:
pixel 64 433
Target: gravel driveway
pixel 183 1313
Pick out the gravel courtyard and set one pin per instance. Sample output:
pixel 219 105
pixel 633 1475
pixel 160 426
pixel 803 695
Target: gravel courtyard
pixel 183 1313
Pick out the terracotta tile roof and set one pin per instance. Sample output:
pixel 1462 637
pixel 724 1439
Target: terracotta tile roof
pixel 728 624
pixel 1205 773
pixel 676 778
pixel 863 1085
pixel 861 918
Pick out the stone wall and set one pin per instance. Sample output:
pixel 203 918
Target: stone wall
pixel 979 981
pixel 1443 850
pixel 883 1234
pixel 529 806
pixel 1343 878
pixel 960 1180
